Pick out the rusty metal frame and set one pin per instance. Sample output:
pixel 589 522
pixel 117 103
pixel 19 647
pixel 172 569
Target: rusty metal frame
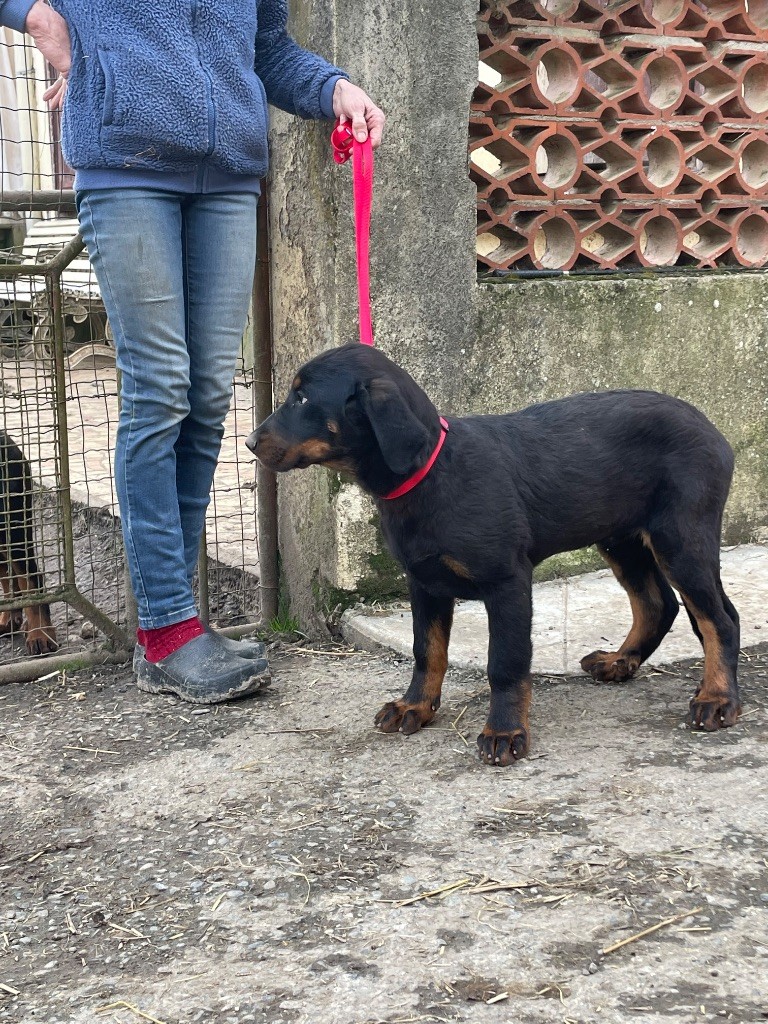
pixel 51 271
pixel 120 644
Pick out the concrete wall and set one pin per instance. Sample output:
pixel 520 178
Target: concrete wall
pixel 475 348
pixel 420 66
pixel 703 338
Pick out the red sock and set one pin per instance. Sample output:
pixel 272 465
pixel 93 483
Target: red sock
pixel 159 643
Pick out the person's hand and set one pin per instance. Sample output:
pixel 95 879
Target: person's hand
pixel 54 94
pixel 50 35
pixel 350 103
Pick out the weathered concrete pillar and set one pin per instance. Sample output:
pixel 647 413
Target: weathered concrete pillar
pixel 421 67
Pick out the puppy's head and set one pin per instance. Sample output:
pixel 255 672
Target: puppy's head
pixel 350 409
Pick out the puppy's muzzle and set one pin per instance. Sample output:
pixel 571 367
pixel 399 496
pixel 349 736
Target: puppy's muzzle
pixel 281 454
pixel 267 446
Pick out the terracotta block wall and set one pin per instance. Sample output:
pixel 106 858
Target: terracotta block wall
pixel 612 134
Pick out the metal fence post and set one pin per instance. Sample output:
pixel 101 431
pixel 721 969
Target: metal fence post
pixel 266 481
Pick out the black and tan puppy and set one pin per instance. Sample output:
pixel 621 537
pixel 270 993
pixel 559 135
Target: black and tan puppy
pixel 642 475
pixel 19 574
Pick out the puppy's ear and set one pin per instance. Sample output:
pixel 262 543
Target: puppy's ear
pixel 399 434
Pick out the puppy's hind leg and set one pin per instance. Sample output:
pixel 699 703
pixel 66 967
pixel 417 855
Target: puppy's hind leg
pixel 695 572
pixel 505 737
pixel 654 607
pixel 432 621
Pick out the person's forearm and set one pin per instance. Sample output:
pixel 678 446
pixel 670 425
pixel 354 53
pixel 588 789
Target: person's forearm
pixel 50 35
pixel 294 78
pixel 40 17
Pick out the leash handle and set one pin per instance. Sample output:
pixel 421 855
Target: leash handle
pixel 345 145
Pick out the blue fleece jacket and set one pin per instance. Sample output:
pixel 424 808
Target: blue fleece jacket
pixel 174 93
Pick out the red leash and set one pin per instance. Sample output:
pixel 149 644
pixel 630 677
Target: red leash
pixel 345 145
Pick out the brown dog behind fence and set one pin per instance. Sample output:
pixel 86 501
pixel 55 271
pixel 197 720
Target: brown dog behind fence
pixel 20 576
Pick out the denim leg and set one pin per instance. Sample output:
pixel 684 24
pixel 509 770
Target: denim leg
pixel 219 233
pixel 175 272
pixel 134 241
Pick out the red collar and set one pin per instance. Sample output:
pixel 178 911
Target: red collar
pixel 419 475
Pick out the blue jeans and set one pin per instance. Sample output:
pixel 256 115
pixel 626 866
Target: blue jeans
pixel 175 273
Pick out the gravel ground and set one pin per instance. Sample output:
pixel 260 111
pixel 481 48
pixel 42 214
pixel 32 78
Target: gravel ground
pixel 99 572
pixel 259 862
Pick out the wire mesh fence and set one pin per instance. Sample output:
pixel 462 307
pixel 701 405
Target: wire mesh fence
pixel 59 414
pixel 37 551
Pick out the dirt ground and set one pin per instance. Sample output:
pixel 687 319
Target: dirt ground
pixel 255 863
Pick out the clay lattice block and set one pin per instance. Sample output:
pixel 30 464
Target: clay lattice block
pixel 606 134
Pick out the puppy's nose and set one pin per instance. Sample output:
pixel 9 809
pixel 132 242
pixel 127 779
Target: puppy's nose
pixel 252 441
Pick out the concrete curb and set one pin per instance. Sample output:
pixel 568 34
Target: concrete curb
pixel 573 617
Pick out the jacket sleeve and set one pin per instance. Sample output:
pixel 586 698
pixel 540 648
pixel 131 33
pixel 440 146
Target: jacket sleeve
pixel 13 13
pixel 294 79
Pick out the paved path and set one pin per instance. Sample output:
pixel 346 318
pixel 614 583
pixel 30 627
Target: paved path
pixel 573 617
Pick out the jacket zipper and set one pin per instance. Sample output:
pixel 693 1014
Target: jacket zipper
pixel 203 168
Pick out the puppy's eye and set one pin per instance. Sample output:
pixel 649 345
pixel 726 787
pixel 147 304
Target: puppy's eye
pixel 301 398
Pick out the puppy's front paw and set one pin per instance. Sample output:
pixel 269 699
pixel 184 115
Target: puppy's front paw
pixel 503 748
pixel 610 667
pixel 713 713
pixel 397 716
